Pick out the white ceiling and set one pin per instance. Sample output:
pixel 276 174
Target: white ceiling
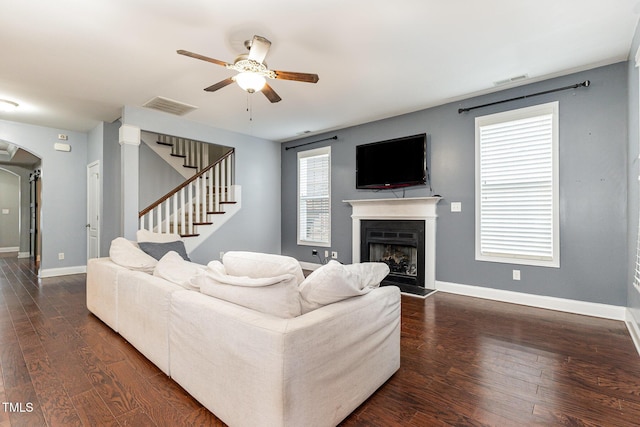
pixel 73 63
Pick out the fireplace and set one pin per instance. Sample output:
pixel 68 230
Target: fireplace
pixel 400 245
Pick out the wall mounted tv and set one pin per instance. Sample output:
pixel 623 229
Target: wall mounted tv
pixel 395 163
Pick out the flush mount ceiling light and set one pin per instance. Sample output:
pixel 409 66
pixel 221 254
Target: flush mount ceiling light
pixel 6 105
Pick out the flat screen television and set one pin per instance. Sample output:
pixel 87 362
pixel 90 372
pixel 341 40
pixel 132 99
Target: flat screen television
pixel 395 163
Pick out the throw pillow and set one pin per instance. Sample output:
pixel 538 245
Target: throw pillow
pixel 277 296
pixel 216 266
pixel 256 265
pixel 158 250
pixel 150 236
pixel 174 269
pixel 335 282
pixel 127 254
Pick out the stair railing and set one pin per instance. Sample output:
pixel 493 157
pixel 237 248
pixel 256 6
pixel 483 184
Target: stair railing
pixel 190 204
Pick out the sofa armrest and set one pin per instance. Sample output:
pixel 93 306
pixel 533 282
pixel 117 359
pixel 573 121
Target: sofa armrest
pixel 311 370
pixel 102 289
pixel 338 355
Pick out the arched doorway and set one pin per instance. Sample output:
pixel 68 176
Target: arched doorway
pixel 25 214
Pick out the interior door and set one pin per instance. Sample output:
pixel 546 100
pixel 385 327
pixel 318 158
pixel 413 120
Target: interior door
pixel 93 210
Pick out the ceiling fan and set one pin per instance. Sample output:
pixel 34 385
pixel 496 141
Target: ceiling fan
pixel 252 70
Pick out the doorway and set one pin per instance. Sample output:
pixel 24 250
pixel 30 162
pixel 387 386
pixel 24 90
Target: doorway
pixel 93 210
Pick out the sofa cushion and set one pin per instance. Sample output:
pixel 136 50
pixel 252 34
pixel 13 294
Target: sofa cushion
pixel 158 249
pixel 127 254
pixel 150 236
pixel 257 265
pixel 277 295
pixel 335 282
pixel 173 268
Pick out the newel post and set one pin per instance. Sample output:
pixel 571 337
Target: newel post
pixel 129 138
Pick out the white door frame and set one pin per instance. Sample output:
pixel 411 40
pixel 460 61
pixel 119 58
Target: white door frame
pixel 94 198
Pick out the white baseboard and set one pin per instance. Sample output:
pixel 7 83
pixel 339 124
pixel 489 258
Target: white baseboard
pixel 24 254
pixel 606 311
pixel 634 329
pixel 9 249
pixel 63 271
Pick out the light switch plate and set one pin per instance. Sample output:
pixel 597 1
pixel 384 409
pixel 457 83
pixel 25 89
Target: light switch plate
pixel 5 211
pixel 456 206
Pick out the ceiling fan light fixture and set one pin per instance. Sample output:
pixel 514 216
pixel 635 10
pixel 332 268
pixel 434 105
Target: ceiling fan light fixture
pixel 251 82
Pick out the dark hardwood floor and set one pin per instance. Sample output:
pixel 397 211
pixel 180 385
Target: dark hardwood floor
pixel 465 362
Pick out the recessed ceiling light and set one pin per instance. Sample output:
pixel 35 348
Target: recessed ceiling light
pixel 6 105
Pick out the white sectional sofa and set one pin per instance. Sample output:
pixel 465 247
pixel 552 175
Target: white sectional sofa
pixel 248 367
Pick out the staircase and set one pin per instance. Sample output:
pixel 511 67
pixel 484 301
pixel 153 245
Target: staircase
pixel 185 155
pixel 197 207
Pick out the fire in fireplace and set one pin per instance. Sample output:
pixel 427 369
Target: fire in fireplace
pixel 399 244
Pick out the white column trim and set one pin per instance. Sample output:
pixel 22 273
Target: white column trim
pixel 129 134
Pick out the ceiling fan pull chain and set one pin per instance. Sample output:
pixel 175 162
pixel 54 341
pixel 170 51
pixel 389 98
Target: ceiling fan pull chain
pixel 249 107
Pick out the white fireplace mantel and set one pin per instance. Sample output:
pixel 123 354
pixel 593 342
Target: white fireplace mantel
pixel 411 208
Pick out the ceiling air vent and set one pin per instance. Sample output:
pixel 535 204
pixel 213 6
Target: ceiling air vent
pixel 169 106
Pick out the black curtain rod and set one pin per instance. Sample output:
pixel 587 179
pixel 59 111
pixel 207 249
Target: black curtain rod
pixel 312 142
pixel 585 83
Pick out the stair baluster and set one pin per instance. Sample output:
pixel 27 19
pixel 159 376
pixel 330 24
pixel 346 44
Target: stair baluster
pixel 189 205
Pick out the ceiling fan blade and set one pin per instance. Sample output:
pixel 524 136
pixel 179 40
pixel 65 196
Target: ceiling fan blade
pixel 220 85
pixel 298 77
pixel 271 94
pixel 259 48
pixel 202 57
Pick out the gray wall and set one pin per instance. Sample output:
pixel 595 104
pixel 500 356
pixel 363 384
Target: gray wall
pixel 593 138
pixel 257 226
pixel 157 177
pixel 64 190
pixel 111 204
pixel 633 165
pixel 10 203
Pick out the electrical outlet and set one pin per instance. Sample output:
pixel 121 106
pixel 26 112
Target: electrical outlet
pixel 326 254
pixel 61 256
pixel 221 255
pixel 334 254
pixel 456 206
pixel 516 274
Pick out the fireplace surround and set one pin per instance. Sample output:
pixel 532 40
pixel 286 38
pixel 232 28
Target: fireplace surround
pixel 399 210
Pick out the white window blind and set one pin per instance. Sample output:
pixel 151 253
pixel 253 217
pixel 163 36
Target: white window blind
pixel 517 186
pixel 314 202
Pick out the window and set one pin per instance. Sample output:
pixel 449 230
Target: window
pixel 314 201
pixel 517 218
